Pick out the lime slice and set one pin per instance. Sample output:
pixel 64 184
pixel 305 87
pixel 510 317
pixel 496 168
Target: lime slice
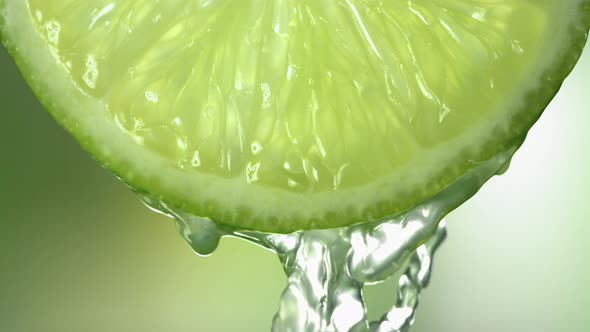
pixel 290 114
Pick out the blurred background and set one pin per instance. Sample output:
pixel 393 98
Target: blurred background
pixel 79 252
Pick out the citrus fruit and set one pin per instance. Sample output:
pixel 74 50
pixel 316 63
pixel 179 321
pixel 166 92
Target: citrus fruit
pixel 294 114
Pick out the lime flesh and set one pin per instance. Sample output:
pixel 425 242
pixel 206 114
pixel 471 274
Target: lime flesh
pixel 290 114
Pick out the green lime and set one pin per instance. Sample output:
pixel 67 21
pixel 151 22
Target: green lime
pixel 294 114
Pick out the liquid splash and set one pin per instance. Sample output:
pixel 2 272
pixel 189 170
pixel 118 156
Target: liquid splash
pixel 328 268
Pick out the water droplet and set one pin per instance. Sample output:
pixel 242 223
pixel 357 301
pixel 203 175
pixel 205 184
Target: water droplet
pixel 53 28
pixel 151 96
pixel 202 234
pixel 266 93
pixel 177 121
pixel 252 172
pixel 181 143
pixel 91 74
pixel 290 72
pixel 516 47
pixel 196 161
pixel 100 14
pixel 256 148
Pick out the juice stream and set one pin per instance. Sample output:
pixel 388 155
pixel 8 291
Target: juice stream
pixel 327 268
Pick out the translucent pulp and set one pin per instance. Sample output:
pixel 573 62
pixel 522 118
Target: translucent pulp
pixel 327 268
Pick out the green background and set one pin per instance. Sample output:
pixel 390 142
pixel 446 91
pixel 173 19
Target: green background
pixel 78 252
